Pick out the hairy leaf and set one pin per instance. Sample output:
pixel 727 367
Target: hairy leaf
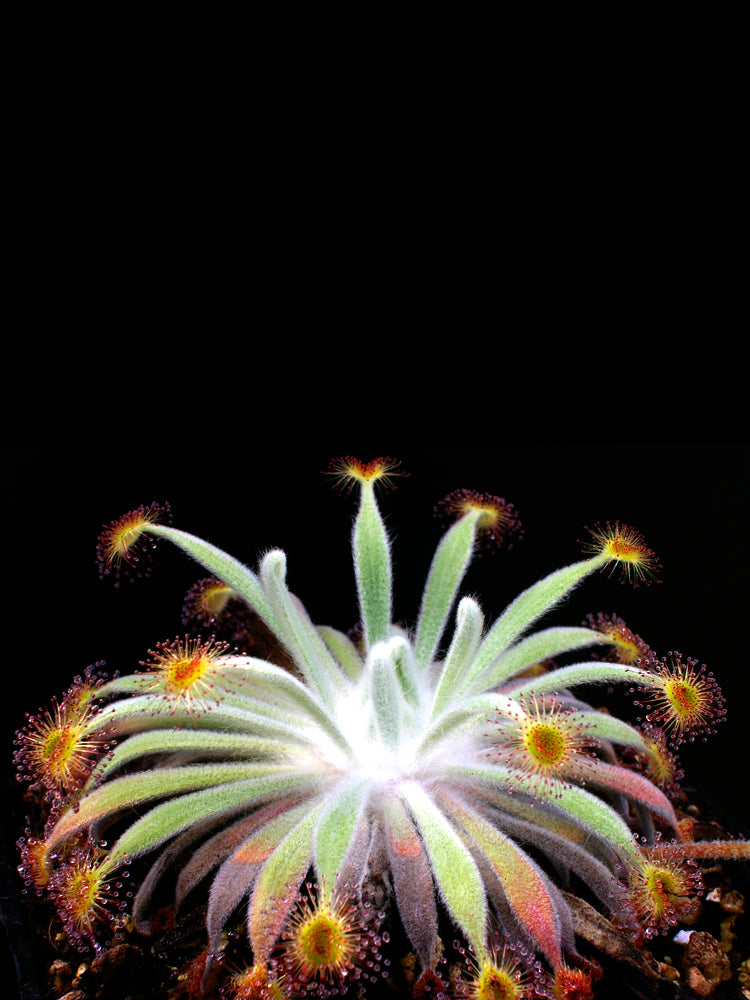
pixel 454 869
pixel 372 566
pixel 239 872
pixel 524 884
pixel 465 642
pixel 337 830
pixel 533 649
pixel 164 820
pixel 527 607
pixel 412 880
pixel 278 884
pixel 220 564
pixel 446 572
pixel 135 789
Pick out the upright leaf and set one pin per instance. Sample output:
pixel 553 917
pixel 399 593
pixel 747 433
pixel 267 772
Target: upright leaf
pixel 469 623
pixel 372 567
pixel 530 605
pixel 297 632
pixel 446 572
pixel 385 692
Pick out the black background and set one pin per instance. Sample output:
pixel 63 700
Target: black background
pixel 689 500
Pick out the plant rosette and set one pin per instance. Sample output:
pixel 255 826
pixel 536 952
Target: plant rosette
pixel 390 807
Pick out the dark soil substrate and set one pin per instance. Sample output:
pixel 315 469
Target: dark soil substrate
pixel 167 965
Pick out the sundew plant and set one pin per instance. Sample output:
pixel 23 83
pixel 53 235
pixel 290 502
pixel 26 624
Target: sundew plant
pixel 441 785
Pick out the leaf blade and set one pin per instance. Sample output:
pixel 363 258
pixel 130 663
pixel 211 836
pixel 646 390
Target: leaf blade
pixel 448 567
pixel 455 871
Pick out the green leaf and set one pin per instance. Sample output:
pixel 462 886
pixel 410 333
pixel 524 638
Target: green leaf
pixel 385 692
pixel 448 567
pixel 163 821
pixel 222 844
pixel 463 647
pixel 570 847
pixel 336 832
pixel 541 817
pixel 634 786
pixel 455 872
pixel 521 613
pixel 466 715
pixel 279 683
pixel 156 712
pixel 536 648
pixel 372 566
pixel 412 879
pixel 161 741
pixel 524 884
pixel 136 789
pixel 344 650
pixel 239 871
pixel 406 670
pixel 274 704
pixel 577 803
pixel 297 632
pixel 222 565
pixel 592 672
pixel 603 726
pixel 139 911
pixel 278 884
pixel 599 818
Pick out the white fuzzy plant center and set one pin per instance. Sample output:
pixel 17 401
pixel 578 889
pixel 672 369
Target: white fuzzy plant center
pixel 382 732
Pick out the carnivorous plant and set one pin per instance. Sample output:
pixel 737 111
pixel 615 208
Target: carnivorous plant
pixel 445 775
